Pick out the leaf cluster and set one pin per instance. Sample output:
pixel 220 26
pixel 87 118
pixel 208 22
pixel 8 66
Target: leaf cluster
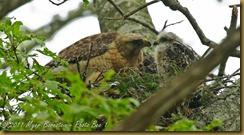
pixel 32 100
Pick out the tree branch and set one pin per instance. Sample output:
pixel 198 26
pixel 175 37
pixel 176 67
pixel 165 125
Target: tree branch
pixel 176 6
pixel 116 7
pixel 143 24
pixel 140 8
pixel 165 24
pixel 127 16
pixel 233 24
pixel 179 87
pixel 237 5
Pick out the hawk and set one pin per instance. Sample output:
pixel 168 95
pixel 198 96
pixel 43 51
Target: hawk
pixel 96 54
pixel 172 56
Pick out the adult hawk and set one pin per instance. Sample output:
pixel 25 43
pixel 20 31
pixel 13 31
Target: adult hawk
pixel 99 53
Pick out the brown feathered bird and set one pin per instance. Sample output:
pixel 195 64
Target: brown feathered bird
pixel 99 53
pixel 172 56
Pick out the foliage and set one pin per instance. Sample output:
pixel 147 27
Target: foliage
pixel 32 100
pixel 184 124
pixel 136 84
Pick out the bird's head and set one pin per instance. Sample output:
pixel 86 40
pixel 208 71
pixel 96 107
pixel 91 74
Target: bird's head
pixel 164 38
pixel 131 43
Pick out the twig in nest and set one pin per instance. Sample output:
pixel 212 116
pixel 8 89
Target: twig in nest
pixel 78 68
pixel 165 24
pixel 57 4
pixel 97 79
pixel 83 75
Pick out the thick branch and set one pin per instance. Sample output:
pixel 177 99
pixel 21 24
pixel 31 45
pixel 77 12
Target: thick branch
pixel 233 24
pixel 7 6
pixel 179 87
pixel 176 6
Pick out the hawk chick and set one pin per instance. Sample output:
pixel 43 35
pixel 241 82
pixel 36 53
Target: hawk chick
pixel 172 56
pixel 102 52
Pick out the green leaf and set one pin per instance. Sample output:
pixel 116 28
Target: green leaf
pixel 8 22
pixel 47 52
pixel 109 75
pixel 16 28
pixel 86 1
pixel 213 124
pixel 183 125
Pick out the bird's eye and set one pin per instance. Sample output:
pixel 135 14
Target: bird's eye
pixel 163 39
pixel 137 42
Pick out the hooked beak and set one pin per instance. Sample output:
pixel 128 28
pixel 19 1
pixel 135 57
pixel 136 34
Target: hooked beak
pixel 146 42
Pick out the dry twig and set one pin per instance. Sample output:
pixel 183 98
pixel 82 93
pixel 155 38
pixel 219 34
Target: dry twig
pixel 83 75
pixel 165 24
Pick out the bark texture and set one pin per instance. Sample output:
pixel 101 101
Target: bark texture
pixel 108 17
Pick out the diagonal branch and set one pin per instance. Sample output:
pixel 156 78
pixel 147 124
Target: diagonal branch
pixel 233 24
pixel 127 16
pixel 116 7
pixel 143 24
pixel 167 25
pixel 140 8
pixel 179 87
pixel 176 6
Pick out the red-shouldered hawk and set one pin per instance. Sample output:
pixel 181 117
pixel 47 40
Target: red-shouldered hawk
pixel 172 56
pixel 102 52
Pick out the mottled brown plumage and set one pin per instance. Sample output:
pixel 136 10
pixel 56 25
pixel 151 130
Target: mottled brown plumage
pixel 172 55
pixel 105 51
